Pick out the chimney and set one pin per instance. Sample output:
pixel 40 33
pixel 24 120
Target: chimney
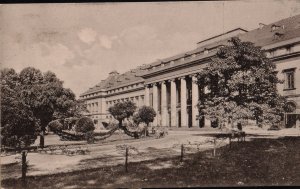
pixel 113 73
pixel 261 25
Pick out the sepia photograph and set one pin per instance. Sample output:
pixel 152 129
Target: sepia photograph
pixel 169 94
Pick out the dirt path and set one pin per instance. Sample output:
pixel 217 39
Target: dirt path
pixel 100 156
pixel 104 154
pixel 261 162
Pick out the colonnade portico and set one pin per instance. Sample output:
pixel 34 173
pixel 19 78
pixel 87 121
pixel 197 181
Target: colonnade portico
pixel 171 100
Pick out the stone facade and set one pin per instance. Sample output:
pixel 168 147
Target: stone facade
pixel 169 86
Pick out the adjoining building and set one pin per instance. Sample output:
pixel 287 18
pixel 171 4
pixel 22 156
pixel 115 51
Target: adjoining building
pixel 167 84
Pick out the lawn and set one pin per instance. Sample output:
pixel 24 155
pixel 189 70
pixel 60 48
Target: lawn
pixel 255 163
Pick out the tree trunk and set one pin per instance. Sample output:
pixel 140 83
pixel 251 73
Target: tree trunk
pixel 146 127
pixel 127 132
pixel 42 138
pixel 239 126
pixel 147 133
pixel 120 123
pixel 126 159
pixel 24 168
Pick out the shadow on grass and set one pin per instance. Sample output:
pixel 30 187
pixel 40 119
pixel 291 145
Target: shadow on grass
pixel 261 162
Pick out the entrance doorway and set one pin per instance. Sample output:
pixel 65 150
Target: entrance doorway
pixel 291 120
pixel 190 118
pixel 179 119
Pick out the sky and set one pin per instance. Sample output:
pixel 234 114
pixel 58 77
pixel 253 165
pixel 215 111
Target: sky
pixel 83 42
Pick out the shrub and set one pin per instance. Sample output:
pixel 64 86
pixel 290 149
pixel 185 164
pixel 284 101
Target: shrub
pixel 84 125
pixel 90 137
pixel 70 122
pixel 55 126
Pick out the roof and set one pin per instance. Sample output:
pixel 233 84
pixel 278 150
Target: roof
pixel 216 36
pixel 289 28
pixel 117 80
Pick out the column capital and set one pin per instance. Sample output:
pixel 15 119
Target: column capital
pixel 163 82
pixel 172 80
pixel 182 78
pixel 194 77
pixel 154 84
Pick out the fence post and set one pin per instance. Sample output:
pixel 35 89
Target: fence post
pixel 181 156
pixel 214 147
pixel 126 159
pixel 229 141
pixel 24 168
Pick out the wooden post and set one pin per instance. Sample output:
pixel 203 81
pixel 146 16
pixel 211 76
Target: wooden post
pixel 229 141
pixel 24 168
pixel 126 159
pixel 181 156
pixel 214 147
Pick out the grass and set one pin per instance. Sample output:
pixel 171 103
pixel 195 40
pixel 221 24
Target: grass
pixel 261 162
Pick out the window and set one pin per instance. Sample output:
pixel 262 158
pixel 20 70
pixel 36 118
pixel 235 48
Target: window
pixel 278 35
pixel 289 79
pixel 273 53
pixel 289 49
pixel 205 51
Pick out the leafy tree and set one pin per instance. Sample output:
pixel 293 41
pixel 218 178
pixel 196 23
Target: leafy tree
pixel 146 114
pixel 122 110
pixel 42 97
pixel 241 83
pixel 18 125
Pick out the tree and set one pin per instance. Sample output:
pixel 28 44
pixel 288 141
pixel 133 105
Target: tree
pixel 122 110
pixel 18 125
pixel 241 83
pixel 84 125
pixel 55 126
pixel 146 114
pixel 42 97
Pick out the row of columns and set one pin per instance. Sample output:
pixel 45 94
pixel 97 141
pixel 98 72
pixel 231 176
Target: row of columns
pixel 173 96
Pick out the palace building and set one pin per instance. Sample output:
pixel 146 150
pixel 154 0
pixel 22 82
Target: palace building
pixel 167 84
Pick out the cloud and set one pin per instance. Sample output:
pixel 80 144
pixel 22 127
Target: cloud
pixel 140 38
pixel 87 35
pixel 40 55
pixel 106 41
